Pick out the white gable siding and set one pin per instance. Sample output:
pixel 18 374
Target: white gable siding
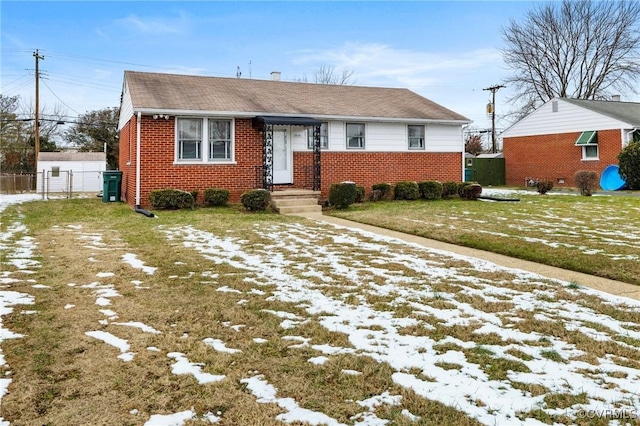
pixel 569 118
pixel 386 137
pixel 126 107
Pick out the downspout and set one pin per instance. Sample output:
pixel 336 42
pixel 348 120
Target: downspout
pixel 629 137
pixel 464 160
pixel 138 131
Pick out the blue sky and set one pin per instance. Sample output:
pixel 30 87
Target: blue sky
pixel 445 51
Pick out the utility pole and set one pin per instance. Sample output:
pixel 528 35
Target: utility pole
pixel 37 121
pixel 493 90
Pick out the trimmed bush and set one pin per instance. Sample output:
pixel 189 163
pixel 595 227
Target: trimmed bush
pixel 194 194
pixel 406 190
pixel 256 199
pixel 586 181
pixel 359 193
pixel 461 188
pixel 629 164
pixel 449 189
pixel 342 195
pixel 384 188
pixel 216 197
pixel 544 185
pixel 430 190
pixel 471 191
pixel 171 199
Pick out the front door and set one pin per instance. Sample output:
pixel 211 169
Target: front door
pixel 282 158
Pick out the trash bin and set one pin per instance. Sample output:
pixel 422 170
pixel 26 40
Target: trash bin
pixel 112 180
pixel 467 174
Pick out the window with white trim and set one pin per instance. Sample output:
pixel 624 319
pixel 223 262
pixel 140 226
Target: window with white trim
pixel 416 136
pixel 324 136
pixel 219 140
pixel 588 141
pixel 355 135
pixel 204 140
pixel 189 138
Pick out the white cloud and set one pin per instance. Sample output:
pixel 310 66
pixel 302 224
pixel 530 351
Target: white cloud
pixel 375 63
pixel 156 25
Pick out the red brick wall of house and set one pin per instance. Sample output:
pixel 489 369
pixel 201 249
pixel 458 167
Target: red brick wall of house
pixel 556 157
pixel 365 168
pixel 159 172
pixel 368 168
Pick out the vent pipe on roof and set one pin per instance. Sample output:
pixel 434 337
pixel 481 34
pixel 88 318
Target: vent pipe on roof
pixel 275 75
pixel 615 98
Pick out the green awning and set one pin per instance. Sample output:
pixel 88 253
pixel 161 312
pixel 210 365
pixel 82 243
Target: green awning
pixel 588 138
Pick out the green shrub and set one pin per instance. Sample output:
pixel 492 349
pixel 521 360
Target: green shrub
pixel 384 188
pixel 216 197
pixel 194 194
pixel 406 190
pixel 342 195
pixel 471 191
pixel 629 164
pixel 359 193
pixel 586 181
pixel 256 199
pixel 171 199
pixel 544 185
pixel 462 187
pixel 430 190
pixel 449 189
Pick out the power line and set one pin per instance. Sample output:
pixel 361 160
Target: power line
pixel 58 98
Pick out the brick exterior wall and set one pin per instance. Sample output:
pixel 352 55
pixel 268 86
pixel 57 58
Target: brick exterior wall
pixel 158 170
pixel 367 168
pixel 556 157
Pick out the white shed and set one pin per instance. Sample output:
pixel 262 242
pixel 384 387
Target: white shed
pixel 70 172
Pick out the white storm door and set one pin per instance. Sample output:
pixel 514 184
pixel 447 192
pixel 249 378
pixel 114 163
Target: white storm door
pixel 282 157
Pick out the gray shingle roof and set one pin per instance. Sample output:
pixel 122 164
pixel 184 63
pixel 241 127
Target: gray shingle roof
pixel 197 93
pixel 72 156
pixel 628 112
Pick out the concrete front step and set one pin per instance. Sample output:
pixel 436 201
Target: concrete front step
pixel 299 209
pixel 281 202
pixel 295 193
pixel 293 201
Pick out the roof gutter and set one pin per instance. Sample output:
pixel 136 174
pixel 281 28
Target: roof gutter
pixel 250 114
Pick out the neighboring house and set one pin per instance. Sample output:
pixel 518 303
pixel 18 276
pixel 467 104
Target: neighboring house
pixel 70 171
pixel 193 132
pixel 567 135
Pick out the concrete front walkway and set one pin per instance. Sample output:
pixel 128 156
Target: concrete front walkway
pixel 603 284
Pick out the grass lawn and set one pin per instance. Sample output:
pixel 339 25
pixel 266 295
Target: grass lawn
pixel 220 316
pixel 596 235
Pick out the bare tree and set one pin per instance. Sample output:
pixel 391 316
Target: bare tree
pixel 473 144
pixel 579 49
pixel 327 74
pixel 95 129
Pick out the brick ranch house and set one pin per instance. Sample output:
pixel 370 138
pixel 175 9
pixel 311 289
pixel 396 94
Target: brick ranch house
pixel 566 135
pixel 193 132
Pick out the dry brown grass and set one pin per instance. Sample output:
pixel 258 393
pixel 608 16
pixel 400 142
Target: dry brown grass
pixel 62 376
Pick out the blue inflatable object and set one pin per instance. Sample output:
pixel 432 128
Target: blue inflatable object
pixel 611 180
